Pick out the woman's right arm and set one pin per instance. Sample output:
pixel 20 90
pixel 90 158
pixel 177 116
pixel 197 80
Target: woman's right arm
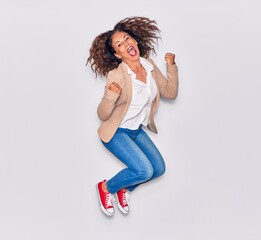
pixel 110 96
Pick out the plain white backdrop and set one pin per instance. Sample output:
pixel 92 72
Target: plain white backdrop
pixel 51 157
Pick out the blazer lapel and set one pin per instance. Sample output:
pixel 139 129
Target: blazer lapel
pixel 127 79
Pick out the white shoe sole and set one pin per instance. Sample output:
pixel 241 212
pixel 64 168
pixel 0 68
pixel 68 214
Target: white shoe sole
pixel 102 208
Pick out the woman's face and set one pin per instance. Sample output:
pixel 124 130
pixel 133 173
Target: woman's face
pixel 125 46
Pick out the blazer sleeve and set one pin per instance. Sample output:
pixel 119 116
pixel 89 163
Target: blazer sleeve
pixel 168 87
pixel 107 103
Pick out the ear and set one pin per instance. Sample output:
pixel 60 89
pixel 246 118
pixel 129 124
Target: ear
pixel 117 55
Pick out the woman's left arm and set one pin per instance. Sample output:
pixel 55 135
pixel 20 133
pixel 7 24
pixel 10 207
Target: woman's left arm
pixel 168 87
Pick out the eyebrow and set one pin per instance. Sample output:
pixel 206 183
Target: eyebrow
pixel 123 38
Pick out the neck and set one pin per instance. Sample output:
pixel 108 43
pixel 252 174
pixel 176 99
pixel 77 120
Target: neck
pixel 135 66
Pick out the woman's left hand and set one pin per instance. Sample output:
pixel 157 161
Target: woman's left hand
pixel 170 58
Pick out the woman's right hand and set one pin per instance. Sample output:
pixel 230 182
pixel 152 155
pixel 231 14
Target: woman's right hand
pixel 115 87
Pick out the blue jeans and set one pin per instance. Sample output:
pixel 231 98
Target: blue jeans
pixel 142 158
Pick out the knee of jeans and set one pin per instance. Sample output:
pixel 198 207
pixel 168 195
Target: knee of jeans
pixel 146 174
pixel 159 171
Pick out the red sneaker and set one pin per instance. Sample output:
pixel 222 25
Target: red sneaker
pixel 105 200
pixel 122 200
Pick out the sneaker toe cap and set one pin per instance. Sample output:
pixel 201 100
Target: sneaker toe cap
pixel 126 208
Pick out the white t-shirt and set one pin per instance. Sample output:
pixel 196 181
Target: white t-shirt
pixel 142 96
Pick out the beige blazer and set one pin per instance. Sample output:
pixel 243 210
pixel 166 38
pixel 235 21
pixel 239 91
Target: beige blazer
pixel 113 106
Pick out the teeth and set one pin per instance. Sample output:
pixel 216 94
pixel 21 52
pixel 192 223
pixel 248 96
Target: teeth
pixel 130 48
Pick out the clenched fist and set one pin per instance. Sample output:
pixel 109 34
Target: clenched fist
pixel 170 58
pixel 115 87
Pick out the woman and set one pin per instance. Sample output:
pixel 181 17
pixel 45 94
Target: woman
pixel 131 97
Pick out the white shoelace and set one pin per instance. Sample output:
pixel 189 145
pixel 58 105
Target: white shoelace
pixel 125 198
pixel 108 201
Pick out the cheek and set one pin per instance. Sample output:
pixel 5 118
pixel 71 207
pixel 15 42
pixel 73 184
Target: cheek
pixel 121 51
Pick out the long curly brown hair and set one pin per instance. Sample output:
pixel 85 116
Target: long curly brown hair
pixel 142 29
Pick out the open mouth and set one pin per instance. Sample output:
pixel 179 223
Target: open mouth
pixel 132 51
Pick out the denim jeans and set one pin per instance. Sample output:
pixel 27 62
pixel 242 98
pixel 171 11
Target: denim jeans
pixel 142 159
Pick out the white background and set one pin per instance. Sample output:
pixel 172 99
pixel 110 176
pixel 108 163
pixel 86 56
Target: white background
pixel 51 157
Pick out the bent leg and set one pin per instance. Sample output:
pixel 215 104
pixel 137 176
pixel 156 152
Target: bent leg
pixel 139 168
pixel 152 153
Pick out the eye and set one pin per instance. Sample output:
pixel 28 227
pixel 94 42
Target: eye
pixel 119 45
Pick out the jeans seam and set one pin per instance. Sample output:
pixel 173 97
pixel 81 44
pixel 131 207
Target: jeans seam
pixel 129 155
